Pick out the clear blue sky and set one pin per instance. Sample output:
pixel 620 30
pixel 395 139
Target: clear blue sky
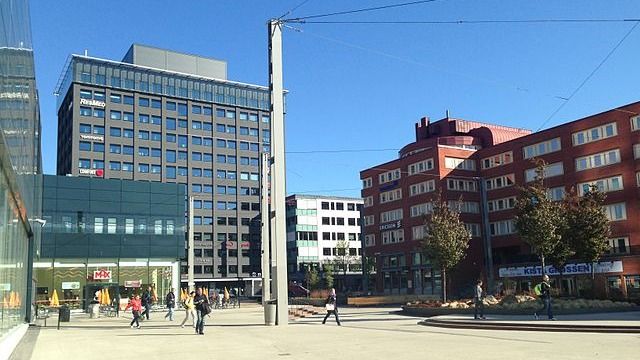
pixel 364 86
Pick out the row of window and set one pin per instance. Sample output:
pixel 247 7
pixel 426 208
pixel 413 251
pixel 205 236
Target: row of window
pixel 341 251
pixel 339 221
pixel 339 236
pixel 337 205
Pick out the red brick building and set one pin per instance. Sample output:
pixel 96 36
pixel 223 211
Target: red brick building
pixel 482 164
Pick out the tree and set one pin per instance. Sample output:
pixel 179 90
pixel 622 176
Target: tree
pixel 539 220
pixel 328 275
pixel 446 240
pixel 312 277
pixel 343 259
pixel 587 225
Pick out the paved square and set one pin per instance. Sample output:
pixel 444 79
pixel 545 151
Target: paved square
pixel 370 333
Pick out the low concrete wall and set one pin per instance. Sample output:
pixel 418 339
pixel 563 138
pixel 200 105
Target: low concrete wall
pixel 428 312
pixel 388 299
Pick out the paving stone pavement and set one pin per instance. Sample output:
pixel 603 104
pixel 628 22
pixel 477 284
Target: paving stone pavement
pixel 370 333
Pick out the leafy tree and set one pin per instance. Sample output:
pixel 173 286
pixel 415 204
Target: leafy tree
pixel 587 225
pixel 539 220
pixel 328 275
pixel 447 239
pixel 312 277
pixel 343 259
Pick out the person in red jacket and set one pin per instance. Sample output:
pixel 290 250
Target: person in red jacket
pixel 136 306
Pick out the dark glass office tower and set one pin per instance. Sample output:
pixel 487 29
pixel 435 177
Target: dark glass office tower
pixel 159 115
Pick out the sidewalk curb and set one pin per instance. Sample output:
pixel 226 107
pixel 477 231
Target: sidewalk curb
pixel 484 325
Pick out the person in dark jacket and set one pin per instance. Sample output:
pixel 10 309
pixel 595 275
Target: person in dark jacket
pixel 478 297
pixel 332 306
pixel 170 300
pixel 146 302
pixel 201 303
pixel 545 295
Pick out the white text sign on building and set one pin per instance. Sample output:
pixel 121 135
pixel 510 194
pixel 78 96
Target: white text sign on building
pixel 569 269
pixel 89 102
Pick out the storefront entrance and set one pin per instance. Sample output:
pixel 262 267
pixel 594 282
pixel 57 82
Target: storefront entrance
pixel 91 292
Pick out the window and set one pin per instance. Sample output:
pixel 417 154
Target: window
pixel 115 98
pixel 389 176
pixel 85 111
pixel 500 182
pixel 143 151
pixel 85 146
pixel 542 148
pixel 127 149
pixel 462 185
pixel 170 172
pixel 474 229
pixel 156 136
pixel 392 237
pixel 460 164
pixel 196 109
pixel 127 117
pixel 98 225
pixel 421 209
pixel 156 169
pixel 85 129
pixel 117 132
pixel 389 196
pixel 594 134
pixel 420 167
pixel 156 120
pixel 98 147
pixel 127 166
pixel 468 207
pixel 171 138
pixel 115 115
pixel 171 123
pixel 619 246
pixel 128 226
pixel 501 204
pixel 391 215
pixel 604 185
pixel 421 188
pixel 99 130
pixel 616 212
pixel 635 123
pixel 497 160
pixel 97 164
pixel 112 225
pixel 550 170
pixel 504 227
pixel 144 102
pixel 143 135
pixel 368 201
pixel 127 133
pixel 84 163
pixel 115 149
pixel 183 141
pixel 369 220
pixel 369 240
pixel 170 105
pixel 128 100
pixel 367 183
pixel 556 193
pixel 419 232
pixel 598 160
pixel 156 104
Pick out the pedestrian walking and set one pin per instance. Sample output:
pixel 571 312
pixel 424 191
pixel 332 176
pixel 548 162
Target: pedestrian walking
pixel 136 306
pixel 331 304
pixel 116 304
pixel 202 309
pixel 170 300
pixel 543 290
pixel 478 297
pixel 189 309
pixel 146 302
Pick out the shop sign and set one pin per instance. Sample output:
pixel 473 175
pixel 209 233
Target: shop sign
pixel 102 275
pixel 71 285
pixel 245 244
pixel 569 269
pixel 133 283
pixel 91 102
pixel 231 245
pixel 92 137
pixel 94 172
pixel 5 287
pixel 391 225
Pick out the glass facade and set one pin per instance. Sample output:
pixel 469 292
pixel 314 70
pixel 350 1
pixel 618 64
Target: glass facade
pixel 20 165
pixel 116 234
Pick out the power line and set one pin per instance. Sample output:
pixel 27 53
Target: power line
pixel 471 22
pixel 589 76
pixel 293 9
pixel 338 151
pixel 298 19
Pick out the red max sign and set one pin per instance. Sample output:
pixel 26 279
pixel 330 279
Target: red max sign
pixel 102 275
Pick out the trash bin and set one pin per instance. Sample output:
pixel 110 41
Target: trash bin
pixel 270 313
pixel 94 311
pixel 64 313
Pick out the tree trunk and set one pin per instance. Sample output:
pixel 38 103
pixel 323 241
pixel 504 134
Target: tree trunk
pixel 543 265
pixel 444 285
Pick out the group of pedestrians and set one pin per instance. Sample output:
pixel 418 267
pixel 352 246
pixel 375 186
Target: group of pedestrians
pixel 196 307
pixel 542 290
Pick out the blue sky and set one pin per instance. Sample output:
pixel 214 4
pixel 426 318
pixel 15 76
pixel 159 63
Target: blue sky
pixel 364 86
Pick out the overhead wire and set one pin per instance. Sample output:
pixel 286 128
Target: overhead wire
pixel 293 9
pixel 586 79
pixel 361 10
pixel 469 22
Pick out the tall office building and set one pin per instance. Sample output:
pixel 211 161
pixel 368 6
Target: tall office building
pixel 20 166
pixel 159 115
pixel 321 231
pixel 483 164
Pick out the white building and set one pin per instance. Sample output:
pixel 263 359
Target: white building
pixel 318 229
